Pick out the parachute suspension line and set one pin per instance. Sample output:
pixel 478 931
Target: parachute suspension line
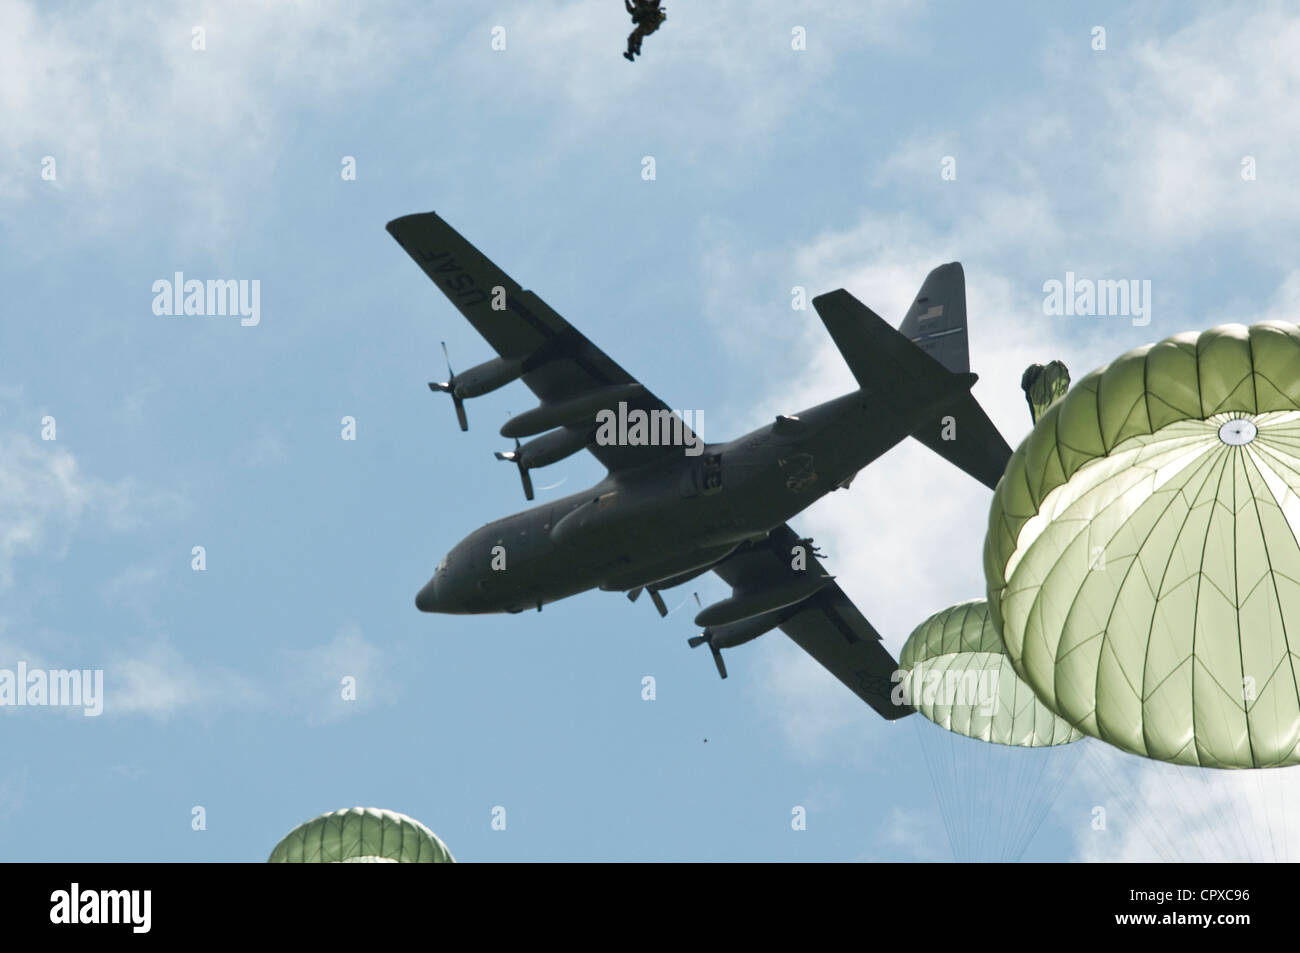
pixel 1210 807
pixel 1051 769
pixel 1287 854
pixel 938 787
pixel 1270 840
pixel 993 799
pixel 969 779
pixel 1116 782
pixel 1029 776
pixel 1190 813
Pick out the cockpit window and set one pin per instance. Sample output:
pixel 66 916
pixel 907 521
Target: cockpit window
pixel 442 565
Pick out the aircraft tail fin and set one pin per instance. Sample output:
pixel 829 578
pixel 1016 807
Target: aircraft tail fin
pixel 936 323
pixel 929 349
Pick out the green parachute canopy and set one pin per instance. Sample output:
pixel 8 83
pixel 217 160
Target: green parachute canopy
pixel 361 835
pixel 959 677
pixel 1142 558
pixel 992 798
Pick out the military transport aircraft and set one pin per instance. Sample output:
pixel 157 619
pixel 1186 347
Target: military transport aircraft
pixel 672 507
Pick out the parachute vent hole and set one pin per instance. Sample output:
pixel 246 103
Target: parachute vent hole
pixel 1238 432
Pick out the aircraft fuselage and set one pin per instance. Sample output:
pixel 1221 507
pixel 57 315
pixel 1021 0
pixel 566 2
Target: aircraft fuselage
pixel 679 514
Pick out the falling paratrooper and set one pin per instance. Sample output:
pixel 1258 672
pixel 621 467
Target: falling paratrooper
pixel 1043 386
pixel 647 15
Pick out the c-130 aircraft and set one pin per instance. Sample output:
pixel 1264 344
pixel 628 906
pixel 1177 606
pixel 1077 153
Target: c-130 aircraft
pixel 670 510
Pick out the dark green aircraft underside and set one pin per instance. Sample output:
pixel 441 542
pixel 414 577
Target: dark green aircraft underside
pixel 668 511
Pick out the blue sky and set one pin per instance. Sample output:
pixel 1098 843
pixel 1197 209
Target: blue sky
pixel 774 168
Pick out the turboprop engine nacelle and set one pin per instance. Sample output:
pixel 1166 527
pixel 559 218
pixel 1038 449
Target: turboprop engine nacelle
pixel 488 376
pixel 571 410
pixel 476 381
pixel 730 634
pixel 746 605
pixel 545 450
pixel 727 635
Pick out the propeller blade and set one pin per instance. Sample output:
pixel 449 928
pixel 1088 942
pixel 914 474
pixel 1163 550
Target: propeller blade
pixel 634 594
pixel 658 600
pixel 515 457
pixel 449 387
pixel 717 659
pixel 706 638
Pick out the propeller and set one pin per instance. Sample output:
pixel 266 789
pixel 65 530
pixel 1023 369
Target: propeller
pixel 706 638
pixel 655 597
pixel 449 387
pixel 515 457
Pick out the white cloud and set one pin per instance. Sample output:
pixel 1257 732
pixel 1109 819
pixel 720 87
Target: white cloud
pixel 119 97
pixel 148 678
pixel 265 450
pixel 13 793
pixel 43 494
pixel 1285 305
pixel 1132 154
pixel 1161 812
pixel 812 710
pixel 315 680
pixel 1190 106
pixel 156 680
pixel 914 833
pixel 733 47
pixel 135 588
pixel 153 678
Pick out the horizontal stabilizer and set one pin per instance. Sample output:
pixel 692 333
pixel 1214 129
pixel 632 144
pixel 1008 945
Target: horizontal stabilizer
pixel 964 436
pixel 876 353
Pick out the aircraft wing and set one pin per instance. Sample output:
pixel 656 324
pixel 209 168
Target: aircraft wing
pixel 827 625
pixel 559 363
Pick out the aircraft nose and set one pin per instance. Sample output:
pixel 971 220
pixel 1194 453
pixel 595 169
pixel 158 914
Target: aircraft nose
pixel 426 600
